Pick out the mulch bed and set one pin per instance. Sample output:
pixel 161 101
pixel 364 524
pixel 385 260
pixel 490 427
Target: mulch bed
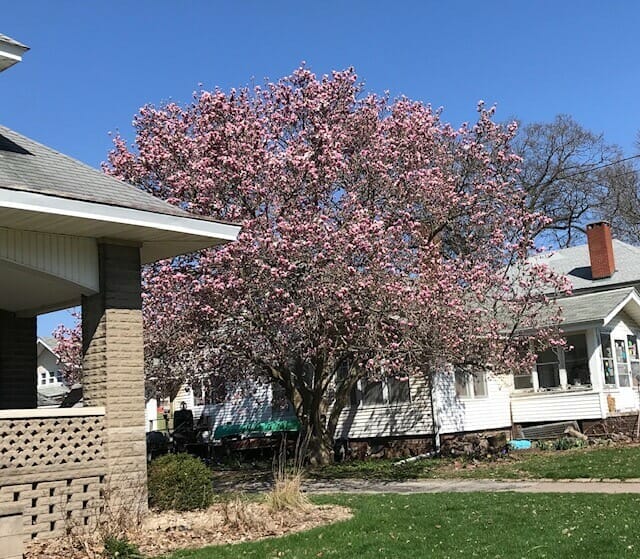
pixel 161 533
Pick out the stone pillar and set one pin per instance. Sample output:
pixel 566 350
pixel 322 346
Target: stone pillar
pixel 113 366
pixel 18 362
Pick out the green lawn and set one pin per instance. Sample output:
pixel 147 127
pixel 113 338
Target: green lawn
pixel 618 463
pixel 439 526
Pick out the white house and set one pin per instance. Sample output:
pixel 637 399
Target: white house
pixel 49 381
pixel 598 378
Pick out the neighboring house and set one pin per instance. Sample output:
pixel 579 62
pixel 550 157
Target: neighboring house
pixel 51 386
pixel 597 378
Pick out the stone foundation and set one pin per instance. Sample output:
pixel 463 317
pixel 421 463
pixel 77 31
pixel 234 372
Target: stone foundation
pixel 624 424
pixel 477 443
pixel 387 447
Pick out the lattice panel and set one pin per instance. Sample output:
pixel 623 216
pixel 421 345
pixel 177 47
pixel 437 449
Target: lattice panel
pixel 28 443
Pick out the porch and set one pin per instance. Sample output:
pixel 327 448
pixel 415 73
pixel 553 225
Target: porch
pixel 70 235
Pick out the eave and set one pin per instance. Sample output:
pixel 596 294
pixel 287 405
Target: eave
pixel 158 235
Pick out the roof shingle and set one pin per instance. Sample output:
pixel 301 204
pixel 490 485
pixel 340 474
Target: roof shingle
pixel 574 263
pixel 30 166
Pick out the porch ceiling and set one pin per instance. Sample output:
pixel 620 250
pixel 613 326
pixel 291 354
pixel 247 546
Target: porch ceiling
pixel 28 293
pixel 159 235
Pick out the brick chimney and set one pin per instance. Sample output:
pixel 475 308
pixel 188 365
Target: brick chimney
pixel 600 250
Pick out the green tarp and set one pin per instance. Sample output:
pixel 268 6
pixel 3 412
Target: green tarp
pixel 256 429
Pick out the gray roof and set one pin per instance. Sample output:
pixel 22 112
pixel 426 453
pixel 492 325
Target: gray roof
pixel 574 263
pixel 49 341
pixel 51 395
pixel 11 41
pixel 29 166
pixel 591 307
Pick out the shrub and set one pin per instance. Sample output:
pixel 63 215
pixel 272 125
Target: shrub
pixel 179 482
pixel 117 548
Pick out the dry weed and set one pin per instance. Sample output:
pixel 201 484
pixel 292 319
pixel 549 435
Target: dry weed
pixel 287 489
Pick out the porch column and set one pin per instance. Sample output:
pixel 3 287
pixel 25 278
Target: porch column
pixel 18 362
pixel 113 366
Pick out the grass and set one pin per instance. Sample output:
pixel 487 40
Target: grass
pixel 599 463
pixel 442 526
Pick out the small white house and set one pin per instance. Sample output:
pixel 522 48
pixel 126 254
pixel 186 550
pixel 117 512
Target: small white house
pixel 599 376
pixel 49 381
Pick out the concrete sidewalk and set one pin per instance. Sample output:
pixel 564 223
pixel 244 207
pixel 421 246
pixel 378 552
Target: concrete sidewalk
pixel 471 485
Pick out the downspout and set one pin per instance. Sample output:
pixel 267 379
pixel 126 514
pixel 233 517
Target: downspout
pixel 435 420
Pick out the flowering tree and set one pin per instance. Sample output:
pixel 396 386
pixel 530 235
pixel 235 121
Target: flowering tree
pixel 376 240
pixel 68 350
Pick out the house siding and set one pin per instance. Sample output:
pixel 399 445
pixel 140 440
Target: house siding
pixel 248 403
pixel 455 415
pixel 413 418
pixel 556 406
pixel 74 259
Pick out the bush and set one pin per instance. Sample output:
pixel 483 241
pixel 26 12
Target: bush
pixel 564 443
pixel 179 482
pixel 116 548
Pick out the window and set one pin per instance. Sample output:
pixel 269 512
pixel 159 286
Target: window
pixel 398 389
pixel 634 359
pixel 470 384
pixel 576 361
pixel 548 369
pixel 373 393
pixel 523 381
pixel 607 359
pixel 558 368
pixel 622 363
pixel 382 392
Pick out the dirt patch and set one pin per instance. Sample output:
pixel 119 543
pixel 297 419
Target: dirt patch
pixel 231 522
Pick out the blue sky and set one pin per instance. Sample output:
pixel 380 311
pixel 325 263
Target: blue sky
pixel 93 64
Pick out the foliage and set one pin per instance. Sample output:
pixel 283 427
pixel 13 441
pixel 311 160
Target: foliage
pixel 563 443
pixel 68 350
pixel 545 445
pixel 179 482
pixel 439 526
pixel 116 548
pixel 376 240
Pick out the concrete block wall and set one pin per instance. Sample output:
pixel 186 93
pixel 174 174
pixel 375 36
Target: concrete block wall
pixel 11 542
pixel 113 369
pixel 52 468
pixel 53 504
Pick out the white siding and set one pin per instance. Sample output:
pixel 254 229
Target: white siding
pixel 555 406
pixel 254 403
pixel 47 363
pixel 249 403
pixel 151 415
pixel 185 394
pixel 456 415
pixel 407 419
pixel 74 259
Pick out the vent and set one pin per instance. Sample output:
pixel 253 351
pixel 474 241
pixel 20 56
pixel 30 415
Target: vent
pixel 8 145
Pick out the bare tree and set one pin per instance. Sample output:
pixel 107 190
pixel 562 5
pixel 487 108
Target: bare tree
pixel 574 176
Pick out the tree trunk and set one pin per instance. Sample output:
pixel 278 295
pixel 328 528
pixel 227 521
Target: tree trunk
pixel 318 439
